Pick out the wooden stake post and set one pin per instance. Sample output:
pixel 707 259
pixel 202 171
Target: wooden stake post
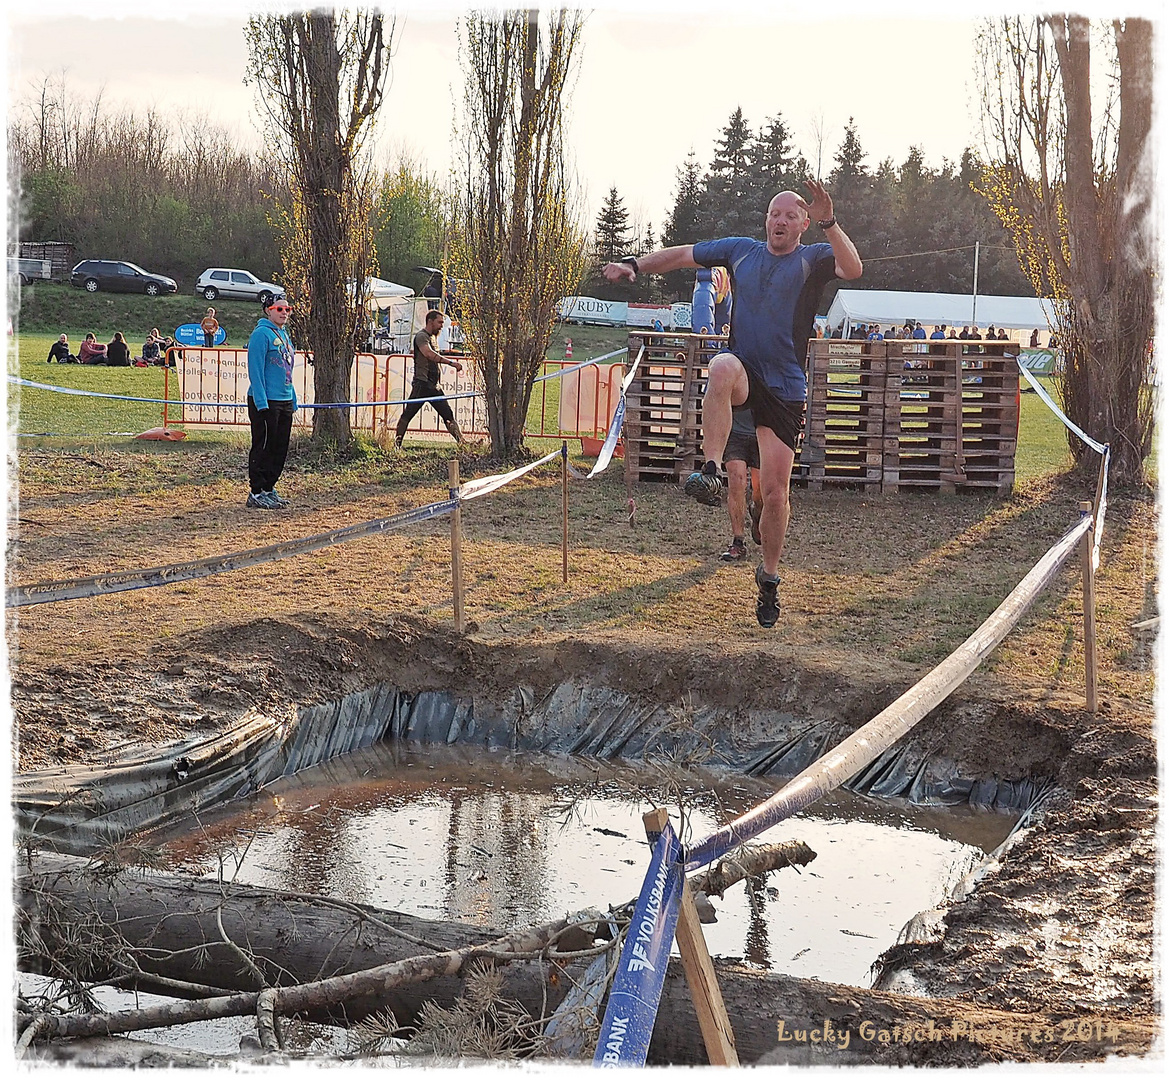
pixel 564 488
pixel 1089 576
pixel 696 963
pixel 457 549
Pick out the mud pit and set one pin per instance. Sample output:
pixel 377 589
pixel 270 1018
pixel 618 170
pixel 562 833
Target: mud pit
pixel 1062 926
pixel 512 839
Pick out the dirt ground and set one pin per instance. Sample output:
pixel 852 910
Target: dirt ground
pixel 876 590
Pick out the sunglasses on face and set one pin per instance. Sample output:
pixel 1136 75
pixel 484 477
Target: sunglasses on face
pixel 282 308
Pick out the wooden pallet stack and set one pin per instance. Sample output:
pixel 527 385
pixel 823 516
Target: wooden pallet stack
pixel 938 415
pixel 847 401
pixel 663 405
pixel 955 415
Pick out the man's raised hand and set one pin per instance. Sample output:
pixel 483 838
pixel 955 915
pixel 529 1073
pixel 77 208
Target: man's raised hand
pixel 820 208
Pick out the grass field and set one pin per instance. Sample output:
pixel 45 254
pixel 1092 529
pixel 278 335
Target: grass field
pixel 1042 448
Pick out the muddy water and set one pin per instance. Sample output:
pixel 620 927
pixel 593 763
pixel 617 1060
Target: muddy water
pixel 508 840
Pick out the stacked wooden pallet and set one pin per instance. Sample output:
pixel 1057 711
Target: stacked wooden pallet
pixel 885 415
pixel 663 405
pixel 955 415
pixel 847 400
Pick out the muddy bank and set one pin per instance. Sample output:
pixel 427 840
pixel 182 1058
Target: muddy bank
pixel 200 683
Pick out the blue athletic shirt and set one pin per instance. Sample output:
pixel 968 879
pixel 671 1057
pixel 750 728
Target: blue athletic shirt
pixel 775 302
pixel 270 357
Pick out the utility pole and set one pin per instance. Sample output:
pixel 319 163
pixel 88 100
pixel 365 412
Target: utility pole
pixel 974 296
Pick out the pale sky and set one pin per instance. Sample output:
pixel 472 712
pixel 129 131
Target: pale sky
pixel 652 85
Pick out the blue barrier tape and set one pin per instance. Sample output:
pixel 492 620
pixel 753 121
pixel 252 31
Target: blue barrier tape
pixel 230 404
pixel 74 391
pixel 641 971
pixel 577 367
pixel 124 580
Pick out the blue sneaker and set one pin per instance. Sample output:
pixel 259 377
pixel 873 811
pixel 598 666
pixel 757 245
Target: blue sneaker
pixel 281 503
pixel 706 487
pixel 261 501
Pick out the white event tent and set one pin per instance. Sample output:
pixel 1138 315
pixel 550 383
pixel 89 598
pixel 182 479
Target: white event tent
pixel 888 307
pixel 380 293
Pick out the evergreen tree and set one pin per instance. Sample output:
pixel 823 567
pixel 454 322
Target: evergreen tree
pixel 683 226
pixel 611 238
pixel 775 165
pixel 729 203
pixel 849 159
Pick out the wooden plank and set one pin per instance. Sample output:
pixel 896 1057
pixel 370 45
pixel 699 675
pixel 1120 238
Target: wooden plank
pixel 717 1033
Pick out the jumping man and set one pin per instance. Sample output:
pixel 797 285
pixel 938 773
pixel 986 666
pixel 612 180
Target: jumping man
pixel 777 286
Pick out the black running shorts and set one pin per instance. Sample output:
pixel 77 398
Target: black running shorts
pixel 742 448
pixel 785 418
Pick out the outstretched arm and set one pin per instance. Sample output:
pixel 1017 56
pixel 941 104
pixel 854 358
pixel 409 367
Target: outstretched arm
pixel 848 261
pixel 661 261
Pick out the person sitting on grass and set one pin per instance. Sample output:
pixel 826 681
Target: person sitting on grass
pixel 152 349
pixel 117 351
pixel 91 352
pixel 59 351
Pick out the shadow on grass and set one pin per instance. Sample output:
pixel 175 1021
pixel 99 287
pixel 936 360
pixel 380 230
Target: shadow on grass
pixel 596 610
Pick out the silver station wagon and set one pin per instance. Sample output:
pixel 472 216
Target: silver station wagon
pixel 235 285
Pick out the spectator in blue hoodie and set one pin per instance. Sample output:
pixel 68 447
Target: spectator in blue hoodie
pixel 271 403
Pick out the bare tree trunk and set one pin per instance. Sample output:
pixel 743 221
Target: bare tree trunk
pixel 1075 191
pixel 299 939
pixel 518 249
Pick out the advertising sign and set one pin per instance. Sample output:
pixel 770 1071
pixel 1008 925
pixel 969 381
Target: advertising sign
pixel 641 971
pixel 587 309
pixel 192 334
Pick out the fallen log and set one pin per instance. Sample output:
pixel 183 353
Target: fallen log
pixel 171 924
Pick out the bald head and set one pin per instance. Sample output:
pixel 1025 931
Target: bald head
pixel 787 218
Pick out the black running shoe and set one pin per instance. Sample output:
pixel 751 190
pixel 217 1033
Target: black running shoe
pixel 767 605
pixel 707 488
pixel 736 552
pixel 756 514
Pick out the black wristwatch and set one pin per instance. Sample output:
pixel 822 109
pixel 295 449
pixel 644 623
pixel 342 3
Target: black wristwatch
pixel 827 224
pixel 632 262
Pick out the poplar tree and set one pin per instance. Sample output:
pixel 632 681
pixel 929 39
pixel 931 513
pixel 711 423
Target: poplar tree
pixel 321 76
pixel 1073 185
pixel 517 246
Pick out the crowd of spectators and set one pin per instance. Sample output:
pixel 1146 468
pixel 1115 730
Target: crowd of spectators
pixel 157 351
pixel 912 330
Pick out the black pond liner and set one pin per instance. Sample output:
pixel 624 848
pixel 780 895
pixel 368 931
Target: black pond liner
pixel 82 810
